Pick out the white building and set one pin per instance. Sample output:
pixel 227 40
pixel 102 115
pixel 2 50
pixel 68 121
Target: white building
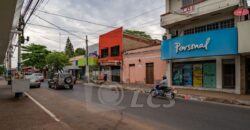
pixel 204 44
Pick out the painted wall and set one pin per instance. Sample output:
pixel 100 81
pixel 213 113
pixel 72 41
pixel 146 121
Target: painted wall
pixel 108 40
pixel 139 58
pixel 243 33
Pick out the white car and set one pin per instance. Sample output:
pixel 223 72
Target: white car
pixel 39 76
pixel 35 81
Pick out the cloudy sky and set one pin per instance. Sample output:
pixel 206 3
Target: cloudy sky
pixel 107 12
pixel 141 15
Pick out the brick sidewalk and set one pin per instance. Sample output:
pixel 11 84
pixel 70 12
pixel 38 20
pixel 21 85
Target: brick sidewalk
pixel 22 114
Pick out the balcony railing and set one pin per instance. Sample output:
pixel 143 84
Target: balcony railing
pixel 197 10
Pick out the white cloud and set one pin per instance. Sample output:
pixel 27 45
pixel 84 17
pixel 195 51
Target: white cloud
pixel 108 12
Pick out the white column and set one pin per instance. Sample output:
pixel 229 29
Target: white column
pixel 218 73
pixel 237 75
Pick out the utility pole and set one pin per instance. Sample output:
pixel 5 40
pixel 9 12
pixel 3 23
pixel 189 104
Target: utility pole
pixel 19 53
pixel 59 41
pixel 19 42
pixel 87 59
pixel 9 55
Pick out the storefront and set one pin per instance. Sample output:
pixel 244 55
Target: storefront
pixel 204 61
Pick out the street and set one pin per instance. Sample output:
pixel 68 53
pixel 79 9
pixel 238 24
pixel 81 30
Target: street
pixel 188 115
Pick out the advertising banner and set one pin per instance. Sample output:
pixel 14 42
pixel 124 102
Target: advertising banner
pixel 177 75
pixel 209 75
pixel 188 74
pixel 211 43
pixel 197 75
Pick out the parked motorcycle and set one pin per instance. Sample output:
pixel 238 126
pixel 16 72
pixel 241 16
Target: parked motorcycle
pixel 165 92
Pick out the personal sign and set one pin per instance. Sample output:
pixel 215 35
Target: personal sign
pixel 190 47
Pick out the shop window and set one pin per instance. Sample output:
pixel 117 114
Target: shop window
pixel 104 53
pixel 196 74
pixel 177 73
pixel 115 51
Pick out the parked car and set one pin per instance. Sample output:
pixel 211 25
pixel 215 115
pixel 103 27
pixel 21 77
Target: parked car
pixel 34 81
pixel 27 75
pixel 39 76
pixel 61 80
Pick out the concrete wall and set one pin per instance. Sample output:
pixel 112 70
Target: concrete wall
pixel 129 44
pixel 243 36
pixel 203 8
pixel 139 58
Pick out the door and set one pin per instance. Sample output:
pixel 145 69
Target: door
pixel 248 75
pixel 228 74
pixel 131 73
pixel 115 70
pixel 149 73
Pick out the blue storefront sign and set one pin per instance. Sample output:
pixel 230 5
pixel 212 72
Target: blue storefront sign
pixel 212 43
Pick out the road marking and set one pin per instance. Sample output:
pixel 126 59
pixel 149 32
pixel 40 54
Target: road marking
pixel 42 107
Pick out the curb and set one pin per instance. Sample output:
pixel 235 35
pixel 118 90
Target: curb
pixel 213 99
pixel 182 96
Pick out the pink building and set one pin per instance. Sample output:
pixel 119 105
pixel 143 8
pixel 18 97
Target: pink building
pixel 143 66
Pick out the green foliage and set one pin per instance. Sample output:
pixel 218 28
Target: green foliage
pixel 2 69
pixel 79 52
pixel 138 34
pixel 34 55
pixel 56 61
pixel 69 49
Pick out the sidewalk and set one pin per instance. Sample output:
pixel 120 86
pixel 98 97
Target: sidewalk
pixel 187 94
pixel 22 114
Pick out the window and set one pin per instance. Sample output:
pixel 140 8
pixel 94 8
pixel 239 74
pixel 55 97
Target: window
pixel 187 2
pixel 196 74
pixel 190 2
pixel 115 51
pixel 214 26
pixel 104 53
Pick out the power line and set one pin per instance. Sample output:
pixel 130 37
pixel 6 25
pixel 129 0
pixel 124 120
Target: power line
pixel 32 12
pixel 80 20
pixel 144 13
pixel 60 28
pixel 27 8
pixel 139 15
pixel 39 25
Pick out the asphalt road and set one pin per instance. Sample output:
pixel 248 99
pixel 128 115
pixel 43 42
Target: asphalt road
pixel 183 115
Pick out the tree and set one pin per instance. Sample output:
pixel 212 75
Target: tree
pixel 56 61
pixel 34 55
pixel 138 34
pixel 79 51
pixel 69 49
pixel 2 69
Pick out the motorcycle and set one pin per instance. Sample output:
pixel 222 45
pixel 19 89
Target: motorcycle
pixel 165 92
